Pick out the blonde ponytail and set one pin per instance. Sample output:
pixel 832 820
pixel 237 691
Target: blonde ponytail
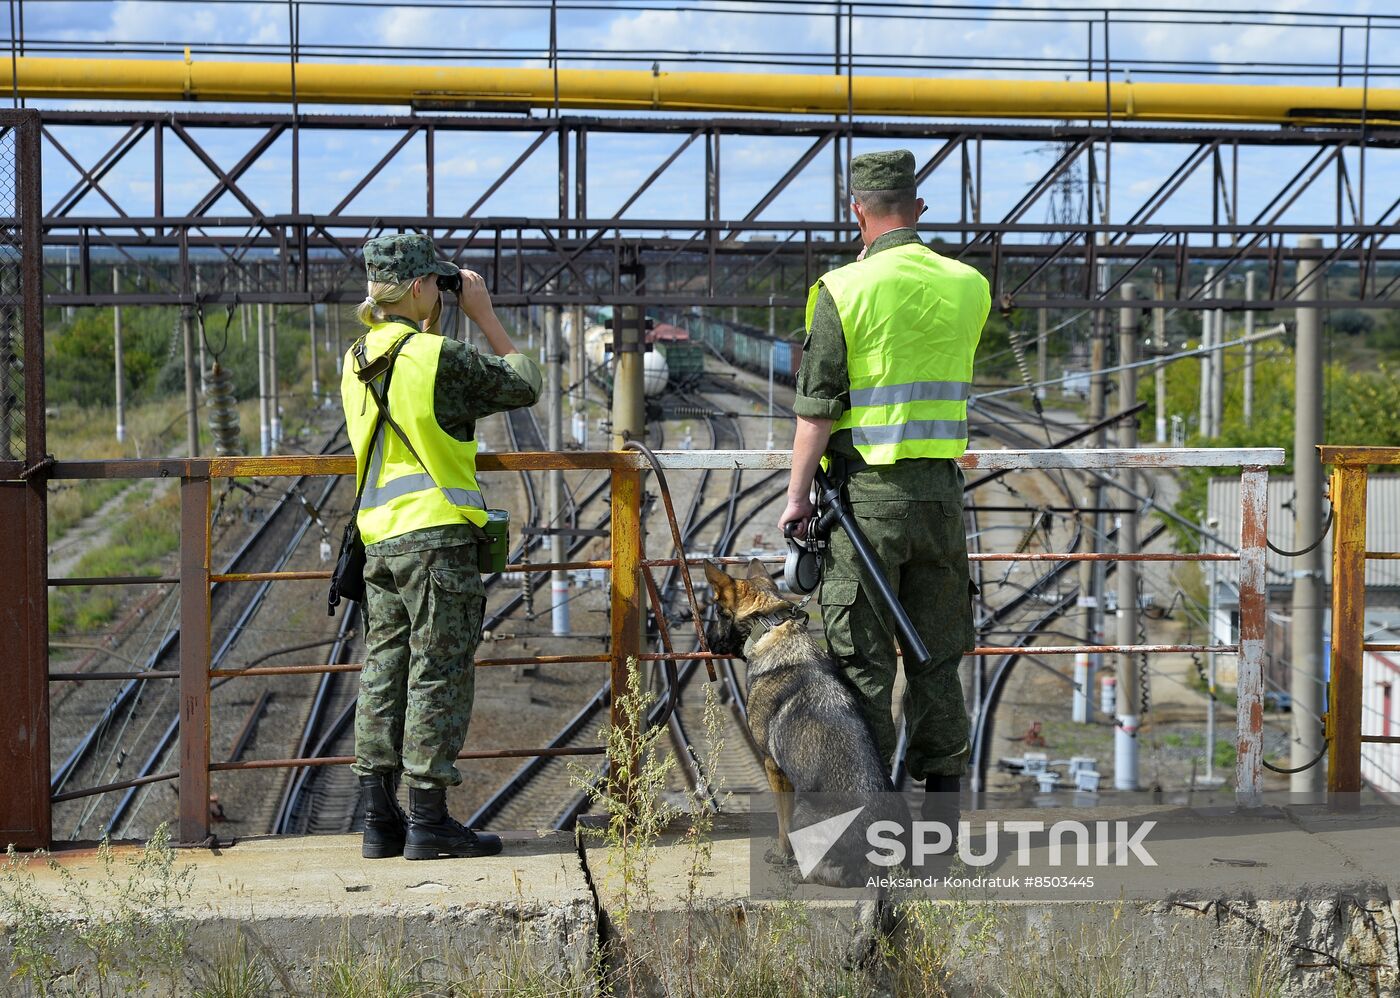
pixel 371 311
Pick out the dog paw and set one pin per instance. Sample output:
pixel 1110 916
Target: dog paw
pixel 779 857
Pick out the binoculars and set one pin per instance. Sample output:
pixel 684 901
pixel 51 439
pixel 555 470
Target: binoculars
pixel 452 284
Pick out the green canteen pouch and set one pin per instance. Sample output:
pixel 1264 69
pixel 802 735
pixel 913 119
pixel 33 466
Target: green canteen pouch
pixel 491 551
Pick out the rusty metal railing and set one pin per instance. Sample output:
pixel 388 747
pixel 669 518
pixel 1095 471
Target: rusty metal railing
pixel 1342 719
pixel 630 577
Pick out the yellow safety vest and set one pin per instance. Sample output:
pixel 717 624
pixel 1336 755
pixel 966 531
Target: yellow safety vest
pixel 912 320
pixel 400 495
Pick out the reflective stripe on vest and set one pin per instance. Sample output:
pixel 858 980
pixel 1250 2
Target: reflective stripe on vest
pixel 914 391
pixel 915 429
pixel 400 494
pixel 379 495
pixel 912 320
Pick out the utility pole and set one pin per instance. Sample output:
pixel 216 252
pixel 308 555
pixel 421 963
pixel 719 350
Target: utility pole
pixel 315 366
pixel 629 342
pixel 264 420
pixel 1307 680
pixel 243 323
pixel 337 351
pixel 628 411
pixel 1091 577
pixel 1248 351
pixel 1098 381
pixel 772 344
pixel 273 403
pixel 1204 428
pixel 1159 339
pixel 191 383
pixel 1042 331
pixel 1125 754
pixel 580 380
pixel 1217 368
pixel 203 364
pixel 554 402
pixel 68 310
pixel 120 372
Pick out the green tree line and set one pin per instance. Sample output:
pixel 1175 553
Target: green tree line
pixel 79 355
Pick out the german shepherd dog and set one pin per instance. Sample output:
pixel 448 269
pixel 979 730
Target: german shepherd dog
pixel 805 719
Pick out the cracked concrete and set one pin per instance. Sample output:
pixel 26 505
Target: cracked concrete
pixel 300 901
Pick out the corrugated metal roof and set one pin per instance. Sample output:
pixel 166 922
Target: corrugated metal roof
pixel 1382 525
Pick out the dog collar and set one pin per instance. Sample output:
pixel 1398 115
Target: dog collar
pixel 761 625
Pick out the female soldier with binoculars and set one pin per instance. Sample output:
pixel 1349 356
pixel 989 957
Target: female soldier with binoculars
pixel 412 399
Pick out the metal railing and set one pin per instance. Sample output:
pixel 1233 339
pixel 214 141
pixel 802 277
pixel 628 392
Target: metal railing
pixel 1342 720
pixel 631 583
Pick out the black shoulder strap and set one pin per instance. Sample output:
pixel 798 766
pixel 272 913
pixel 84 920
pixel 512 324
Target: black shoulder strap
pixel 387 369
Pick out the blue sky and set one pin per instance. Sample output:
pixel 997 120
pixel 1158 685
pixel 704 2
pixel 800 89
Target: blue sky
pixel 1021 40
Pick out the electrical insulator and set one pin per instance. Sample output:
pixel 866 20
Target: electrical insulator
pixel 1019 349
pixel 223 411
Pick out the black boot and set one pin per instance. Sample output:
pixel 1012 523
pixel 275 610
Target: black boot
pixel 434 834
pixel 942 803
pixel 385 823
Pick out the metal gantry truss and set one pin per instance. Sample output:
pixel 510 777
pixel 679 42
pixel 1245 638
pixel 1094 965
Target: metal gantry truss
pixel 721 259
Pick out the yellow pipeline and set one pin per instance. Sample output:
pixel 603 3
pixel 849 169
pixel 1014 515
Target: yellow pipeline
pixel 445 86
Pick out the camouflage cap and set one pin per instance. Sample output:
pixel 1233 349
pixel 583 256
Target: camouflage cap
pixel 403 257
pixel 883 171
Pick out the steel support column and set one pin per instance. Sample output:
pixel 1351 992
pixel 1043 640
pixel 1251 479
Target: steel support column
pixel 1344 708
pixel 195 609
pixel 25 810
pixel 626 599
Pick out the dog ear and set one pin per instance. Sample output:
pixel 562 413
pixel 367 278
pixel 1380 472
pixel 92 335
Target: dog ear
pixel 722 583
pixel 758 572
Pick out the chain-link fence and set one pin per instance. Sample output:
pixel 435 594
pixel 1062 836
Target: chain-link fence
pixel 12 429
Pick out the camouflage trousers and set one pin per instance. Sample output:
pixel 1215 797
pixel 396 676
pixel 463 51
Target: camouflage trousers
pixel 923 548
pixel 423 615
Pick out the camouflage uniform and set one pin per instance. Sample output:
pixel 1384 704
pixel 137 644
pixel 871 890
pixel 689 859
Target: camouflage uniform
pixel 425 601
pixel 911 512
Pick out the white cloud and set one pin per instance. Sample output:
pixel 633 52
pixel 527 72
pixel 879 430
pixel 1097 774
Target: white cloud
pixel 405 26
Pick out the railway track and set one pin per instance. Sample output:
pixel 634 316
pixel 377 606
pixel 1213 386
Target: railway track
pixel 733 762
pixel 127 727
pixel 531 797
pixel 131 799
pixel 739 768
pixel 326 798
pixel 991 687
pixel 994 613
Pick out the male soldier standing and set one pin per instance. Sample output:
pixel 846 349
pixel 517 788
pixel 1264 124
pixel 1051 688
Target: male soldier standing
pixel 882 394
pixel 420 516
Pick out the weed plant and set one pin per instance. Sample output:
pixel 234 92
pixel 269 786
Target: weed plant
pixel 60 946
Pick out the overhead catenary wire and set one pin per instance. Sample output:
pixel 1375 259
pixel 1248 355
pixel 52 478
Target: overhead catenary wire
pixel 1180 355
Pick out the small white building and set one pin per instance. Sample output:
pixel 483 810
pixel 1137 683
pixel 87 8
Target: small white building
pixel 1380 713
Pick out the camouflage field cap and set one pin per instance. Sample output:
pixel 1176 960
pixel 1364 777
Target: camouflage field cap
pixel 883 171
pixel 403 257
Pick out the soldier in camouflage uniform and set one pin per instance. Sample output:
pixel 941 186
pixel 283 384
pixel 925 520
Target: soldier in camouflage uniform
pixel 420 517
pixel 915 325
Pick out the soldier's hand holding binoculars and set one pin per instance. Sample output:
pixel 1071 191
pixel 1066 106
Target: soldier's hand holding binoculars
pixel 472 296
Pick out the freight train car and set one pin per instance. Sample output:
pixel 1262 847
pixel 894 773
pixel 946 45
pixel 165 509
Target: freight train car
pixel 748 347
pixel 685 360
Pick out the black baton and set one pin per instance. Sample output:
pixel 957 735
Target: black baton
pixel 834 510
